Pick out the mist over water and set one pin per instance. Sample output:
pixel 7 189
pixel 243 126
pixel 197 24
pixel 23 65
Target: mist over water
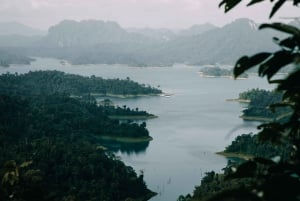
pixel 192 124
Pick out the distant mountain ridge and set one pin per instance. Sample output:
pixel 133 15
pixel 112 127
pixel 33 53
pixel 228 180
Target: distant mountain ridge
pixel 15 28
pixel 95 41
pixel 223 45
pixel 164 34
pixel 197 29
pixel 70 33
pixel 156 34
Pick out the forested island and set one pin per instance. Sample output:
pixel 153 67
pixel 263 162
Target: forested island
pixel 249 148
pixel 248 154
pixel 216 71
pixel 47 136
pixel 249 145
pixel 59 82
pixel 258 108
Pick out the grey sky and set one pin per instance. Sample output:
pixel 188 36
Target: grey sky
pixel 132 13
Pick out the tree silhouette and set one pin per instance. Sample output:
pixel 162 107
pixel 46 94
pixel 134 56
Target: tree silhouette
pixel 230 4
pixel 273 179
pixel 265 179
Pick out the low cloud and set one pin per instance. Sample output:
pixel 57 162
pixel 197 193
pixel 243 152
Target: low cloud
pixel 129 13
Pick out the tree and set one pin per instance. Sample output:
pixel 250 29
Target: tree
pixel 273 179
pixel 230 4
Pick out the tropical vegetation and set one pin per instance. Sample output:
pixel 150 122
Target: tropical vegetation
pixel 52 147
pixel 263 178
pixel 59 82
pixel 259 109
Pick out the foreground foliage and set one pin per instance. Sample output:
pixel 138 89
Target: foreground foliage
pixel 275 179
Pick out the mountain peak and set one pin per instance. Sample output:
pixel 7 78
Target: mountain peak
pixel 85 25
pixel 197 29
pixel 243 23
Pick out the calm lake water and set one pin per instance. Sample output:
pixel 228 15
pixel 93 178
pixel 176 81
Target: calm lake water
pixel 193 124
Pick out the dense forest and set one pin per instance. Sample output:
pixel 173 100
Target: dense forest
pixel 264 178
pixel 242 176
pixel 250 144
pixel 60 82
pixel 260 105
pixel 51 145
pixel 124 112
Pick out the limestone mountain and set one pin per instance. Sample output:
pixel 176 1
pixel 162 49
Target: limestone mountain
pixel 88 33
pixel 223 45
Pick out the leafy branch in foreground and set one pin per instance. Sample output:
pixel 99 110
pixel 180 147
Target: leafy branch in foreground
pixel 230 4
pixel 262 178
pixel 269 65
pixel 273 179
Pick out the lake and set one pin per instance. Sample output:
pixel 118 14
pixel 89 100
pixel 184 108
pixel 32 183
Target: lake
pixel 192 124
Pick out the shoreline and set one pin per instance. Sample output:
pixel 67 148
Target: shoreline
pixel 265 119
pixel 221 76
pixel 213 76
pixel 239 100
pixel 127 139
pixel 132 117
pixel 124 96
pixel 235 155
pixel 254 118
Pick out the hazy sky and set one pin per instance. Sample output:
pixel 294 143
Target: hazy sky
pixel 132 13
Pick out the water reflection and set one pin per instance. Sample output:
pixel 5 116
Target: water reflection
pixel 126 148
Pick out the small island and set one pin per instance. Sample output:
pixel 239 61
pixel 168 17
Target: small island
pixel 215 72
pixel 258 101
pixel 75 85
pixel 248 146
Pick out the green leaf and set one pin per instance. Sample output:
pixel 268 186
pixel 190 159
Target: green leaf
pixel 282 27
pixel 245 63
pixel 254 2
pixel 263 161
pixel 291 83
pixel 246 169
pixel 229 4
pixel 275 8
pixel 275 81
pixel 276 40
pixel 289 43
pixel 275 63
